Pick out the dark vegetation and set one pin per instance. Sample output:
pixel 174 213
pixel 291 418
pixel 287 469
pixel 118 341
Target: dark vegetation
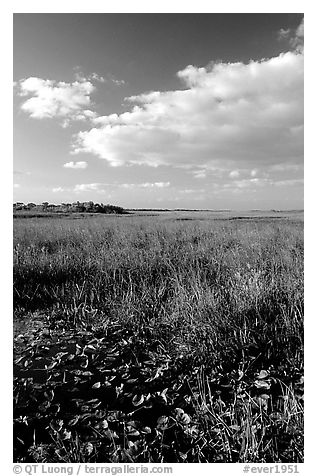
pixel 65 208
pixel 148 340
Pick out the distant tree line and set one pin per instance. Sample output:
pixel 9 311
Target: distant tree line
pixel 76 207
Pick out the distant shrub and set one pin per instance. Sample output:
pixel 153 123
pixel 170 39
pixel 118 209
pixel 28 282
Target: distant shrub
pixel 76 207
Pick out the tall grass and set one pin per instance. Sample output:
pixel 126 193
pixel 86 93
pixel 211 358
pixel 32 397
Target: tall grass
pixel 223 300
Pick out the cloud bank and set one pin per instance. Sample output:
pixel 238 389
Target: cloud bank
pixel 228 116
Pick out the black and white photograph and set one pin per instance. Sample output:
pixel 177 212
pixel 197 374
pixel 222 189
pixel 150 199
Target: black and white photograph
pixel 158 239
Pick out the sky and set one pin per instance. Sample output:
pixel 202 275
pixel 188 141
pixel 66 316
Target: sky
pixel 159 110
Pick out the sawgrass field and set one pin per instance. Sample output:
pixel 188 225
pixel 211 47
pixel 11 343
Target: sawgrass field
pixel 159 337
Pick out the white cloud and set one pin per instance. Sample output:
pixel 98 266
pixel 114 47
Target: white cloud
pixel 230 116
pixel 118 82
pixel 145 185
pixel 91 77
pixel 256 183
pixel 56 99
pixel 294 37
pixel 234 174
pixel 155 184
pixel 80 76
pixel 102 186
pixel 289 182
pixel 76 165
pixel 300 30
pixel 16 185
pixel 200 174
pixel 97 77
pixel 297 41
pixel 192 190
pixel 87 187
pixel 286 167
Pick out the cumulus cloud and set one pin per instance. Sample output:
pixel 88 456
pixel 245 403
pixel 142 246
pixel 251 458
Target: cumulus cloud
pixel 48 98
pixel 297 41
pixel 229 116
pixel 76 165
pixel 294 37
